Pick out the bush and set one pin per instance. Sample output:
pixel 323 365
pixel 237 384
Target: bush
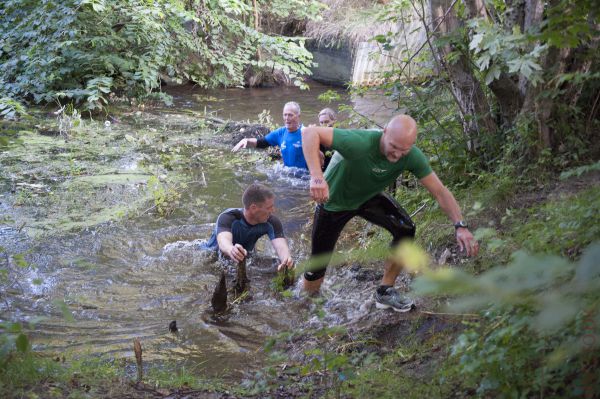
pixel 86 50
pixel 540 327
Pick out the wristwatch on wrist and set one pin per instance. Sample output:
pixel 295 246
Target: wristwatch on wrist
pixel 460 223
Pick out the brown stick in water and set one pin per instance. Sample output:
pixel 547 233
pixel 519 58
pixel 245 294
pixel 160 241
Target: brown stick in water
pixel 219 298
pixel 137 348
pixel 241 280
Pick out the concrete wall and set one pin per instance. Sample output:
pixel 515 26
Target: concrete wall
pixel 365 63
pixel 334 64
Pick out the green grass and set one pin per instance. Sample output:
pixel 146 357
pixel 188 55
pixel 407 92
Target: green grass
pixel 407 372
pixel 562 226
pixel 181 376
pixel 30 375
pixel 22 370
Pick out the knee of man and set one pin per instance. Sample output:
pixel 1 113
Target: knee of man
pixel 315 275
pixel 407 232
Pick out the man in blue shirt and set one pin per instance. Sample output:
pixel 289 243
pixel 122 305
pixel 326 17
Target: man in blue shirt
pixel 238 229
pixel 288 138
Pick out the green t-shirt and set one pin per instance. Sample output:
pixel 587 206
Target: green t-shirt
pixel 359 170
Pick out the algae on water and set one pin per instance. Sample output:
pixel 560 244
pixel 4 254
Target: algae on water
pixel 95 172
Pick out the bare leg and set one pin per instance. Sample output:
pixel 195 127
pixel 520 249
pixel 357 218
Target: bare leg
pixel 391 270
pixel 312 287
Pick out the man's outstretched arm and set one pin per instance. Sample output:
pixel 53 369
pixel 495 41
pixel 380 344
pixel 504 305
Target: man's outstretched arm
pixel 449 205
pixel 312 138
pixel 245 143
pixel 283 252
pixel 235 252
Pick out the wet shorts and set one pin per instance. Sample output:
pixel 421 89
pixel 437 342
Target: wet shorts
pixel 382 210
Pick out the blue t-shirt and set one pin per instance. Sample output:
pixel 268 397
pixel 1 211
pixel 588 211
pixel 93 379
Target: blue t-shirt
pixel 244 233
pixel 290 144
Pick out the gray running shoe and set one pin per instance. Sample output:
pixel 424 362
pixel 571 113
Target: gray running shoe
pixel 393 299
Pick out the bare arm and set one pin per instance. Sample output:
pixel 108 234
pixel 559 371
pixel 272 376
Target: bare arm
pixel 235 252
pixel 448 203
pixel 283 252
pixel 245 143
pixel 312 138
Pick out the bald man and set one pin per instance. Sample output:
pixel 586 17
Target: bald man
pixel 365 163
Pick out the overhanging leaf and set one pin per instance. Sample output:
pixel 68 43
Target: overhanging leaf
pixel 556 312
pixel 588 268
pixel 22 343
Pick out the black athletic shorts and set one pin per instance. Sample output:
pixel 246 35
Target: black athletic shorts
pixel 382 210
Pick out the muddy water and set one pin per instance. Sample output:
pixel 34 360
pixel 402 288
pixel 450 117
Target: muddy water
pixel 133 278
pixel 130 279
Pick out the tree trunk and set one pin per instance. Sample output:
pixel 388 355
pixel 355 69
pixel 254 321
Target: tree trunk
pixel 534 10
pixel 256 27
pixel 510 98
pixel 473 105
pixel 556 62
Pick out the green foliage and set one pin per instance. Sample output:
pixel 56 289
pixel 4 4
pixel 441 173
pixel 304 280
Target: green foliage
pixel 265 118
pixel 282 281
pixel 11 109
pixel 532 64
pixel 300 9
pixel 335 365
pixel 392 376
pixel 580 170
pixel 17 366
pixel 536 313
pixel 563 226
pixel 503 356
pixel 23 370
pixel 330 96
pixel 89 376
pixel 497 52
pixel 87 51
pixel 83 50
pixel 67 118
pixel 166 196
pixel 11 338
pixel 567 23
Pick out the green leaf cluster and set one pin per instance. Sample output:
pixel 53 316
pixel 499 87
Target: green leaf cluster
pixel 11 109
pixel 95 51
pixel 497 52
pixel 536 315
pixel 83 50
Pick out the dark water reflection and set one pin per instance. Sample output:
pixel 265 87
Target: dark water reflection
pixel 248 103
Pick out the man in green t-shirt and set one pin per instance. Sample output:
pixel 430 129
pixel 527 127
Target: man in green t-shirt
pixel 366 162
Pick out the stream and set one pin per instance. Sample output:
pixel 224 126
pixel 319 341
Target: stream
pixel 130 278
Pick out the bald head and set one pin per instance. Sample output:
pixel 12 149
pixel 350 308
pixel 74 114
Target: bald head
pixel 398 137
pixel 402 126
